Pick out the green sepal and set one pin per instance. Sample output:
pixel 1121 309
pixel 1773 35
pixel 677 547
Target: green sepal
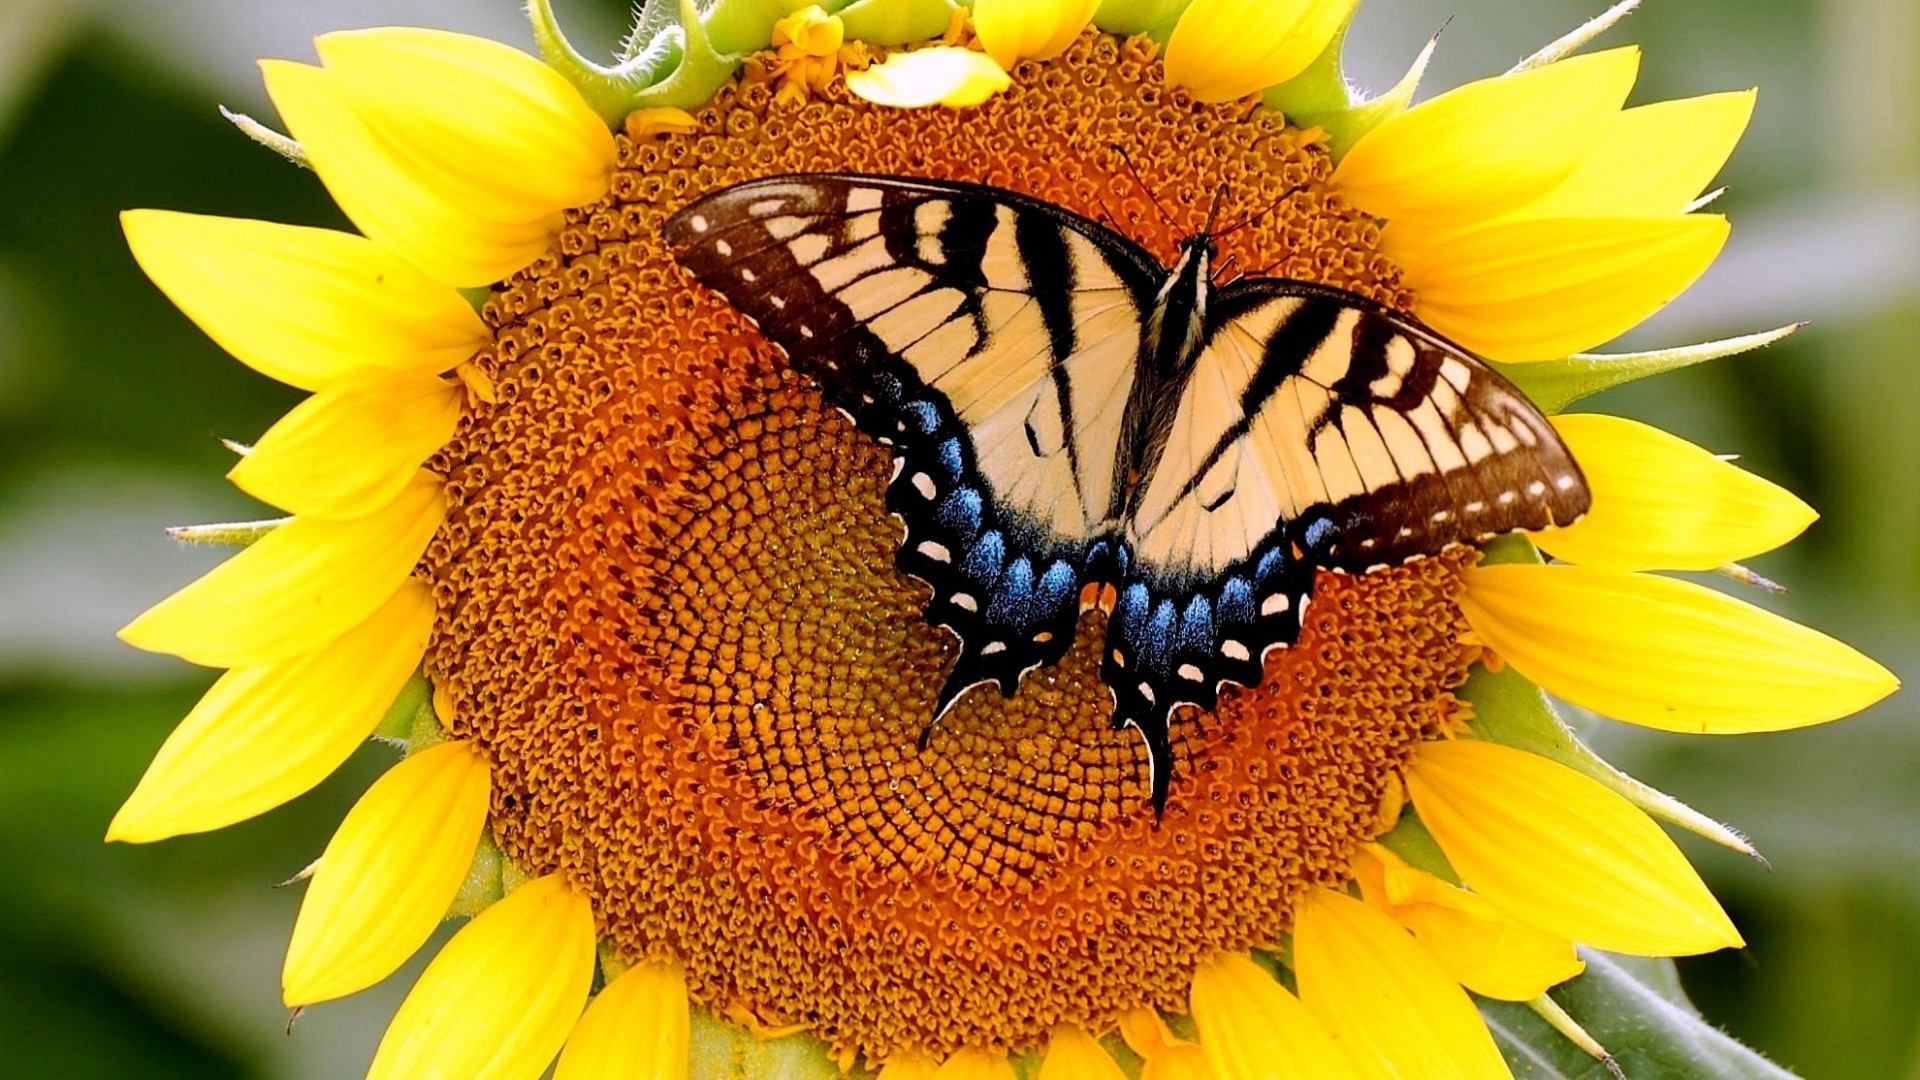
pixel 702 69
pixel 485 883
pixel 1321 90
pixel 231 533
pixel 1633 1007
pixel 397 726
pixel 723 1050
pixel 267 137
pixel 1562 47
pixel 897 22
pixel 1410 840
pixel 1321 97
pixel 1509 710
pixel 669 61
pixel 743 26
pixel 1154 18
pixel 1555 384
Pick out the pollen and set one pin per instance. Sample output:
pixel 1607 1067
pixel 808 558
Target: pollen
pixel 669 614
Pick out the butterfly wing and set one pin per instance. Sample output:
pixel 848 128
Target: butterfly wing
pixel 1317 429
pixel 991 340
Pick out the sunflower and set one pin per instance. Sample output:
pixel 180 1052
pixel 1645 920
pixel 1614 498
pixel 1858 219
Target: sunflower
pixel 564 527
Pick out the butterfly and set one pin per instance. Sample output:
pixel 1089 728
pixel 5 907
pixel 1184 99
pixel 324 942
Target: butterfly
pixel 1065 411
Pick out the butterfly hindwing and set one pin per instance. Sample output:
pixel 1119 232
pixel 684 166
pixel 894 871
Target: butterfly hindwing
pixel 990 340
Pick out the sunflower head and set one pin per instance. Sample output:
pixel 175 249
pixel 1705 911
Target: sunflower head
pixel 623 574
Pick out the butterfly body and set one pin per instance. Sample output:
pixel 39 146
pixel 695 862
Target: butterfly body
pixel 1066 411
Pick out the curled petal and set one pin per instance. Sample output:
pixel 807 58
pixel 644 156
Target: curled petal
pixel 1666 654
pixel 1562 853
pixel 1539 289
pixel 1226 49
pixel 1253 1029
pixel 499 999
pixel 353 447
pixel 1015 30
pixel 393 200
pixel 304 306
pixel 502 134
pixel 1072 1054
pixel 388 875
pixel 1489 147
pixel 1385 997
pixel 297 588
pixel 941 75
pixel 1662 503
pixel 264 735
pixel 1483 948
pixel 972 1064
pixel 638 1028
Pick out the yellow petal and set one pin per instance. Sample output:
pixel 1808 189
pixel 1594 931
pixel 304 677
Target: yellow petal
pixel 387 877
pixel 391 200
pixel 1488 147
pixel 295 589
pixel 263 735
pixel 1385 998
pixel 1165 1057
pixel 500 998
pixel 494 129
pixel 1253 1029
pixel 1562 853
pixel 1481 947
pixel 304 306
pixel 635 1029
pixel 1225 49
pixel 1541 289
pixel 971 1064
pixel 1662 503
pixel 353 447
pixel 1015 30
pixel 941 75
pixel 1653 160
pixel 909 1065
pixel 1072 1054
pixel 1666 654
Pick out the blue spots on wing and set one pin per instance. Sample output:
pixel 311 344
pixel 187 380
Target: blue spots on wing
pixel 925 417
pixel 1236 601
pixel 1056 586
pixel 961 511
pixel 952 458
pixel 1013 598
pixel 987 557
pixel 1196 627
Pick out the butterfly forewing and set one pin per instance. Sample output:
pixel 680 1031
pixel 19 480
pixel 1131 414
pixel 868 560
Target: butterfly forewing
pixel 989 341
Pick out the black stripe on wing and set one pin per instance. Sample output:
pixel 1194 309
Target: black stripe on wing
pixel 873 285
pixel 1421 446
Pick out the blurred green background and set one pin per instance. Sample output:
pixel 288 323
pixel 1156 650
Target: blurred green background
pixel 163 961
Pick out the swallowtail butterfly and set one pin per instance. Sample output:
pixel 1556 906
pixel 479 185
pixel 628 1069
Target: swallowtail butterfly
pixel 1066 411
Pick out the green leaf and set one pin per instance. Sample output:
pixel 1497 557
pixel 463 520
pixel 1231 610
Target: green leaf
pixel 1555 384
pixel 896 22
pixel 1635 1009
pixel 742 26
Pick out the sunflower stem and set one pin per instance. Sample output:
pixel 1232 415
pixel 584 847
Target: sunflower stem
pixel 267 137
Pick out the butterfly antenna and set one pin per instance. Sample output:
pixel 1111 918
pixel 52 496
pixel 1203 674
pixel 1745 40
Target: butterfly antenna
pixel 1213 212
pixel 1251 218
pixel 1142 181
pixel 1232 257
